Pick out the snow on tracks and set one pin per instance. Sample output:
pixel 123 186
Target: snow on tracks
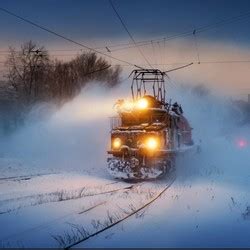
pixel 86 206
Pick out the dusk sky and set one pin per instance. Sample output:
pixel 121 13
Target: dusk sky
pixel 95 24
pixel 84 20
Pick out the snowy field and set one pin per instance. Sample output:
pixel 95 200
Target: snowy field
pixel 55 190
pixel 56 209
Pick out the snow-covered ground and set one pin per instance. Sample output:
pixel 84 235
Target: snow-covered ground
pixel 48 210
pixel 54 189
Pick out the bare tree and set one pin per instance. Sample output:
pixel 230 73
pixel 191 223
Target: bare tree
pixel 37 78
pixel 88 67
pixel 70 77
pixel 26 70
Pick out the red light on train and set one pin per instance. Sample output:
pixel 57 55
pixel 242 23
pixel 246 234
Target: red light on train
pixel 242 143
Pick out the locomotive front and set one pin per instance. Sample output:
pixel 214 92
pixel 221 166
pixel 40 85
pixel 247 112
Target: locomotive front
pixel 140 140
pixel 146 134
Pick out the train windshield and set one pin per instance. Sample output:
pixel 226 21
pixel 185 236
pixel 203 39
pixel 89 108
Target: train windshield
pixel 135 118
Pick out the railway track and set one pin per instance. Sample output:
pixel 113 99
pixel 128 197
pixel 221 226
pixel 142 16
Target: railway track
pixel 124 218
pixel 137 189
pixel 48 224
pixel 40 199
pixel 79 212
pixel 23 177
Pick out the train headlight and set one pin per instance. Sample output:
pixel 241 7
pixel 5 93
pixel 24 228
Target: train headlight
pixel 152 143
pixel 142 103
pixel 117 142
pixel 127 105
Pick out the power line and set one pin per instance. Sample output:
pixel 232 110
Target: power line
pixel 97 70
pixel 64 37
pixel 182 67
pixel 126 29
pixel 196 46
pixel 200 29
pixel 179 35
pixel 164 39
pixel 164 52
pixel 181 63
pixel 196 63
pixel 141 43
pixel 160 57
pixel 154 54
pixel 225 62
pixel 223 22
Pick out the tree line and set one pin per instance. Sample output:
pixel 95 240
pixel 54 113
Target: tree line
pixel 35 77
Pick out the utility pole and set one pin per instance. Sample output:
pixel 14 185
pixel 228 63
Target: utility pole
pixel 38 54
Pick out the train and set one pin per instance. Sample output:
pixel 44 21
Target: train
pixel 148 132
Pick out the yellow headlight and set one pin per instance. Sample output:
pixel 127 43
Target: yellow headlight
pixel 152 143
pixel 142 103
pixel 117 142
pixel 128 105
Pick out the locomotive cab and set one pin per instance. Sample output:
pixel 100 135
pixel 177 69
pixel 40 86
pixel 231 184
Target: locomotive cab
pixel 148 131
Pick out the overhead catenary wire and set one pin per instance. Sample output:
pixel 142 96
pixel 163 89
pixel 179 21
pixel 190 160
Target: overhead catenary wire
pixel 181 63
pixel 143 43
pixel 128 32
pixel 97 70
pixel 184 33
pixel 78 241
pixel 159 54
pixel 200 29
pixel 187 33
pixel 164 39
pixel 164 52
pixel 64 37
pixel 184 66
pixel 154 54
pixel 196 46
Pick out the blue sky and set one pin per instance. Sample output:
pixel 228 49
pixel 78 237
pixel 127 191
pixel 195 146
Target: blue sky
pixel 94 19
pixel 93 22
